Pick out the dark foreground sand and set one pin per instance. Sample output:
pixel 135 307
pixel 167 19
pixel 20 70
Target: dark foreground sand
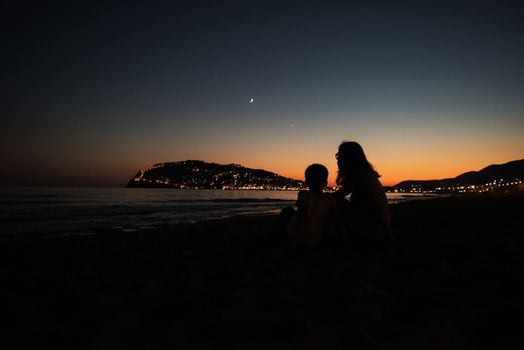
pixel 455 281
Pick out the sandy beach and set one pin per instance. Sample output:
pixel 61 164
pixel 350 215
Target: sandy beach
pixel 454 281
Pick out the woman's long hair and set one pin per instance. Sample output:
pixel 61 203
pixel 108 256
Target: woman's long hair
pixel 352 160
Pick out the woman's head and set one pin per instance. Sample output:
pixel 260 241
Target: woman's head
pixel 351 159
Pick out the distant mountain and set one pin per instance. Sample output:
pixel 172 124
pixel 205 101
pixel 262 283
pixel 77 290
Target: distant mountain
pixel 504 174
pixel 199 174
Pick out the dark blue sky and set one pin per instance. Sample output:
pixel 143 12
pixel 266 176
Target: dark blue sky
pixel 93 92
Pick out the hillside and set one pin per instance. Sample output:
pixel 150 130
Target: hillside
pixel 199 174
pixel 507 175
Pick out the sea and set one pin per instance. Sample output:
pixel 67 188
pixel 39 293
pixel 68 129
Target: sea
pixel 27 212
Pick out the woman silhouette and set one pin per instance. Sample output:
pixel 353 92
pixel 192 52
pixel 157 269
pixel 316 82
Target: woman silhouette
pixel 366 216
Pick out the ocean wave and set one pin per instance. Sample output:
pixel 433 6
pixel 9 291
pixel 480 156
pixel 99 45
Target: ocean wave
pixel 79 211
pixel 227 200
pixel 22 202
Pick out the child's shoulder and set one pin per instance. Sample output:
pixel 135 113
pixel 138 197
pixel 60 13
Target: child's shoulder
pixel 329 197
pixel 304 194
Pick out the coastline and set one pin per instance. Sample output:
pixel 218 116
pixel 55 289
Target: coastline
pixel 452 282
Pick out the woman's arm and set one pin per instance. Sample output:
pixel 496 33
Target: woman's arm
pixel 342 192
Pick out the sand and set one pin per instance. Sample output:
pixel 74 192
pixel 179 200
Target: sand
pixel 454 281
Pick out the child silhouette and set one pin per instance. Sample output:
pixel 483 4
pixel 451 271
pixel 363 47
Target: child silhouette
pixel 308 224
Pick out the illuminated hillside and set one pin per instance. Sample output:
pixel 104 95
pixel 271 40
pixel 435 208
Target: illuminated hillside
pixel 199 174
pixel 497 177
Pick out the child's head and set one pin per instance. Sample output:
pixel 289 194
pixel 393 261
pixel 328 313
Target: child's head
pixel 316 176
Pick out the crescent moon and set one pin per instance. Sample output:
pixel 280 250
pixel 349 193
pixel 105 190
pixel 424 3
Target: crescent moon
pixel 251 100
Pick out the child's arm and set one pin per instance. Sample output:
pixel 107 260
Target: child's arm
pixel 302 207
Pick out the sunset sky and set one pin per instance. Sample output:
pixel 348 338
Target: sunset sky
pixel 92 93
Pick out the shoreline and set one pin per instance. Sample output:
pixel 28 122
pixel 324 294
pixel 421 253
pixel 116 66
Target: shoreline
pixel 454 281
pixel 64 217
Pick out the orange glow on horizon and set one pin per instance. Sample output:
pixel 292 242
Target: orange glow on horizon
pixel 397 158
pixel 396 172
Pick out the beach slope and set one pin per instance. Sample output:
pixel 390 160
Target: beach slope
pixel 454 281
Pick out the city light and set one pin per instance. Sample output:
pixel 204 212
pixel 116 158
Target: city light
pixel 498 185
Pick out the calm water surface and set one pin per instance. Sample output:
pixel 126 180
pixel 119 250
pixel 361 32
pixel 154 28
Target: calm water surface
pixel 77 211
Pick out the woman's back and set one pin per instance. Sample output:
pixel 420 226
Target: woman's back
pixel 370 209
